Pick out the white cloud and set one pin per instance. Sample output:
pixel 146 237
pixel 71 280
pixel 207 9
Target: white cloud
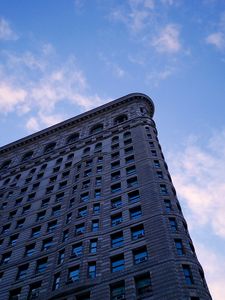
pixel 216 39
pixel 32 124
pixel 168 40
pixel 214 267
pixel 6 33
pixel 198 173
pixel 11 97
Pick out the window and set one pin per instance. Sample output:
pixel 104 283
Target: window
pixel 84 197
pixel 87 173
pixel 56 210
pixel 159 174
pixel 59 160
pixel 68 164
pixel 89 163
pixel 72 138
pixel 23 190
pixel 128 150
pixel 85 296
pixel 93 246
pixel 98 181
pixel 97 194
pixel 135 213
pixel 129 159
pixel 49 189
pixel 22 272
pixel 163 189
pixel 179 247
pixel 156 164
pixel 137 232
pixel 20 223
pixel 126 134
pixel 120 119
pixel 100 159
pixel 5 165
pixel 56 169
pixel 168 206
pixel 117 291
pixel 36 231
pixel 82 212
pixel 115 139
pixel 26 209
pixel 68 218
pixel 70 156
pixel 153 153
pixel 115 155
pixel 44 166
pixel 18 201
pixel 202 276
pixel 35 186
pixel 143 285
pixel 41 265
pixel 127 142
pixel 132 182
pixel 92 269
pixel 13 239
pixel 116 202
pixel 116 187
pixel 116 219
pixel 53 179
pixel 117 263
pixel 41 215
pixel 115 147
pixel 49 147
pixel 15 294
pixel 131 170
pixel 29 250
pixel 79 229
pixel 12 214
pixel 61 256
pixel 99 169
pixel 117 239
pixel 34 290
pixel 86 184
pixel 133 196
pixel 65 235
pixel 45 202
pixel 59 197
pixel 74 274
pixel 5 257
pixel 151 144
pixel 140 255
pixel 115 175
pixel 5 228
pixel 52 226
pixel 98 147
pixel 56 282
pixel 47 244
pixel 115 164
pixel 96 208
pixel 77 250
pixel 72 201
pixel 188 275
pixel 96 128
pixel 86 150
pixel 31 197
pixel 95 225
pixel 173 224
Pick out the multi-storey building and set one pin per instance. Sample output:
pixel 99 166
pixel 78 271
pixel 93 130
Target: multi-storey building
pixel 89 211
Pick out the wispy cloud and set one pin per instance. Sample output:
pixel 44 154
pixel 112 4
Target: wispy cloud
pixel 37 83
pixel 168 40
pixel 6 32
pixel 116 69
pixel 217 38
pixel 199 173
pixel 214 267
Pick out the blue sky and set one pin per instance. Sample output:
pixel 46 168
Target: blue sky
pixel 60 58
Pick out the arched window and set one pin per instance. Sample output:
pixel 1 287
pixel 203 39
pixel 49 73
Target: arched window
pixel 5 165
pixel 49 147
pixel 98 147
pixel 6 181
pixel 120 119
pixel 86 150
pixel 96 128
pixel 115 139
pixel 73 138
pixel 126 135
pixel 27 156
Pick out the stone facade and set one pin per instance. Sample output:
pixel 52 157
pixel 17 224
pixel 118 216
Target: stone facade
pixel 89 211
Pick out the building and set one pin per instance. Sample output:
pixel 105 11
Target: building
pixel 89 211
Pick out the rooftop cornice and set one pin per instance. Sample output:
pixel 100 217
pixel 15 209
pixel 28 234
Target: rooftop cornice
pixel 80 118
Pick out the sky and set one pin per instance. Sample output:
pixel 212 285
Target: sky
pixel 61 58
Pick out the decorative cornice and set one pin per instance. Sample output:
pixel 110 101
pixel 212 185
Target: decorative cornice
pixel 80 118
